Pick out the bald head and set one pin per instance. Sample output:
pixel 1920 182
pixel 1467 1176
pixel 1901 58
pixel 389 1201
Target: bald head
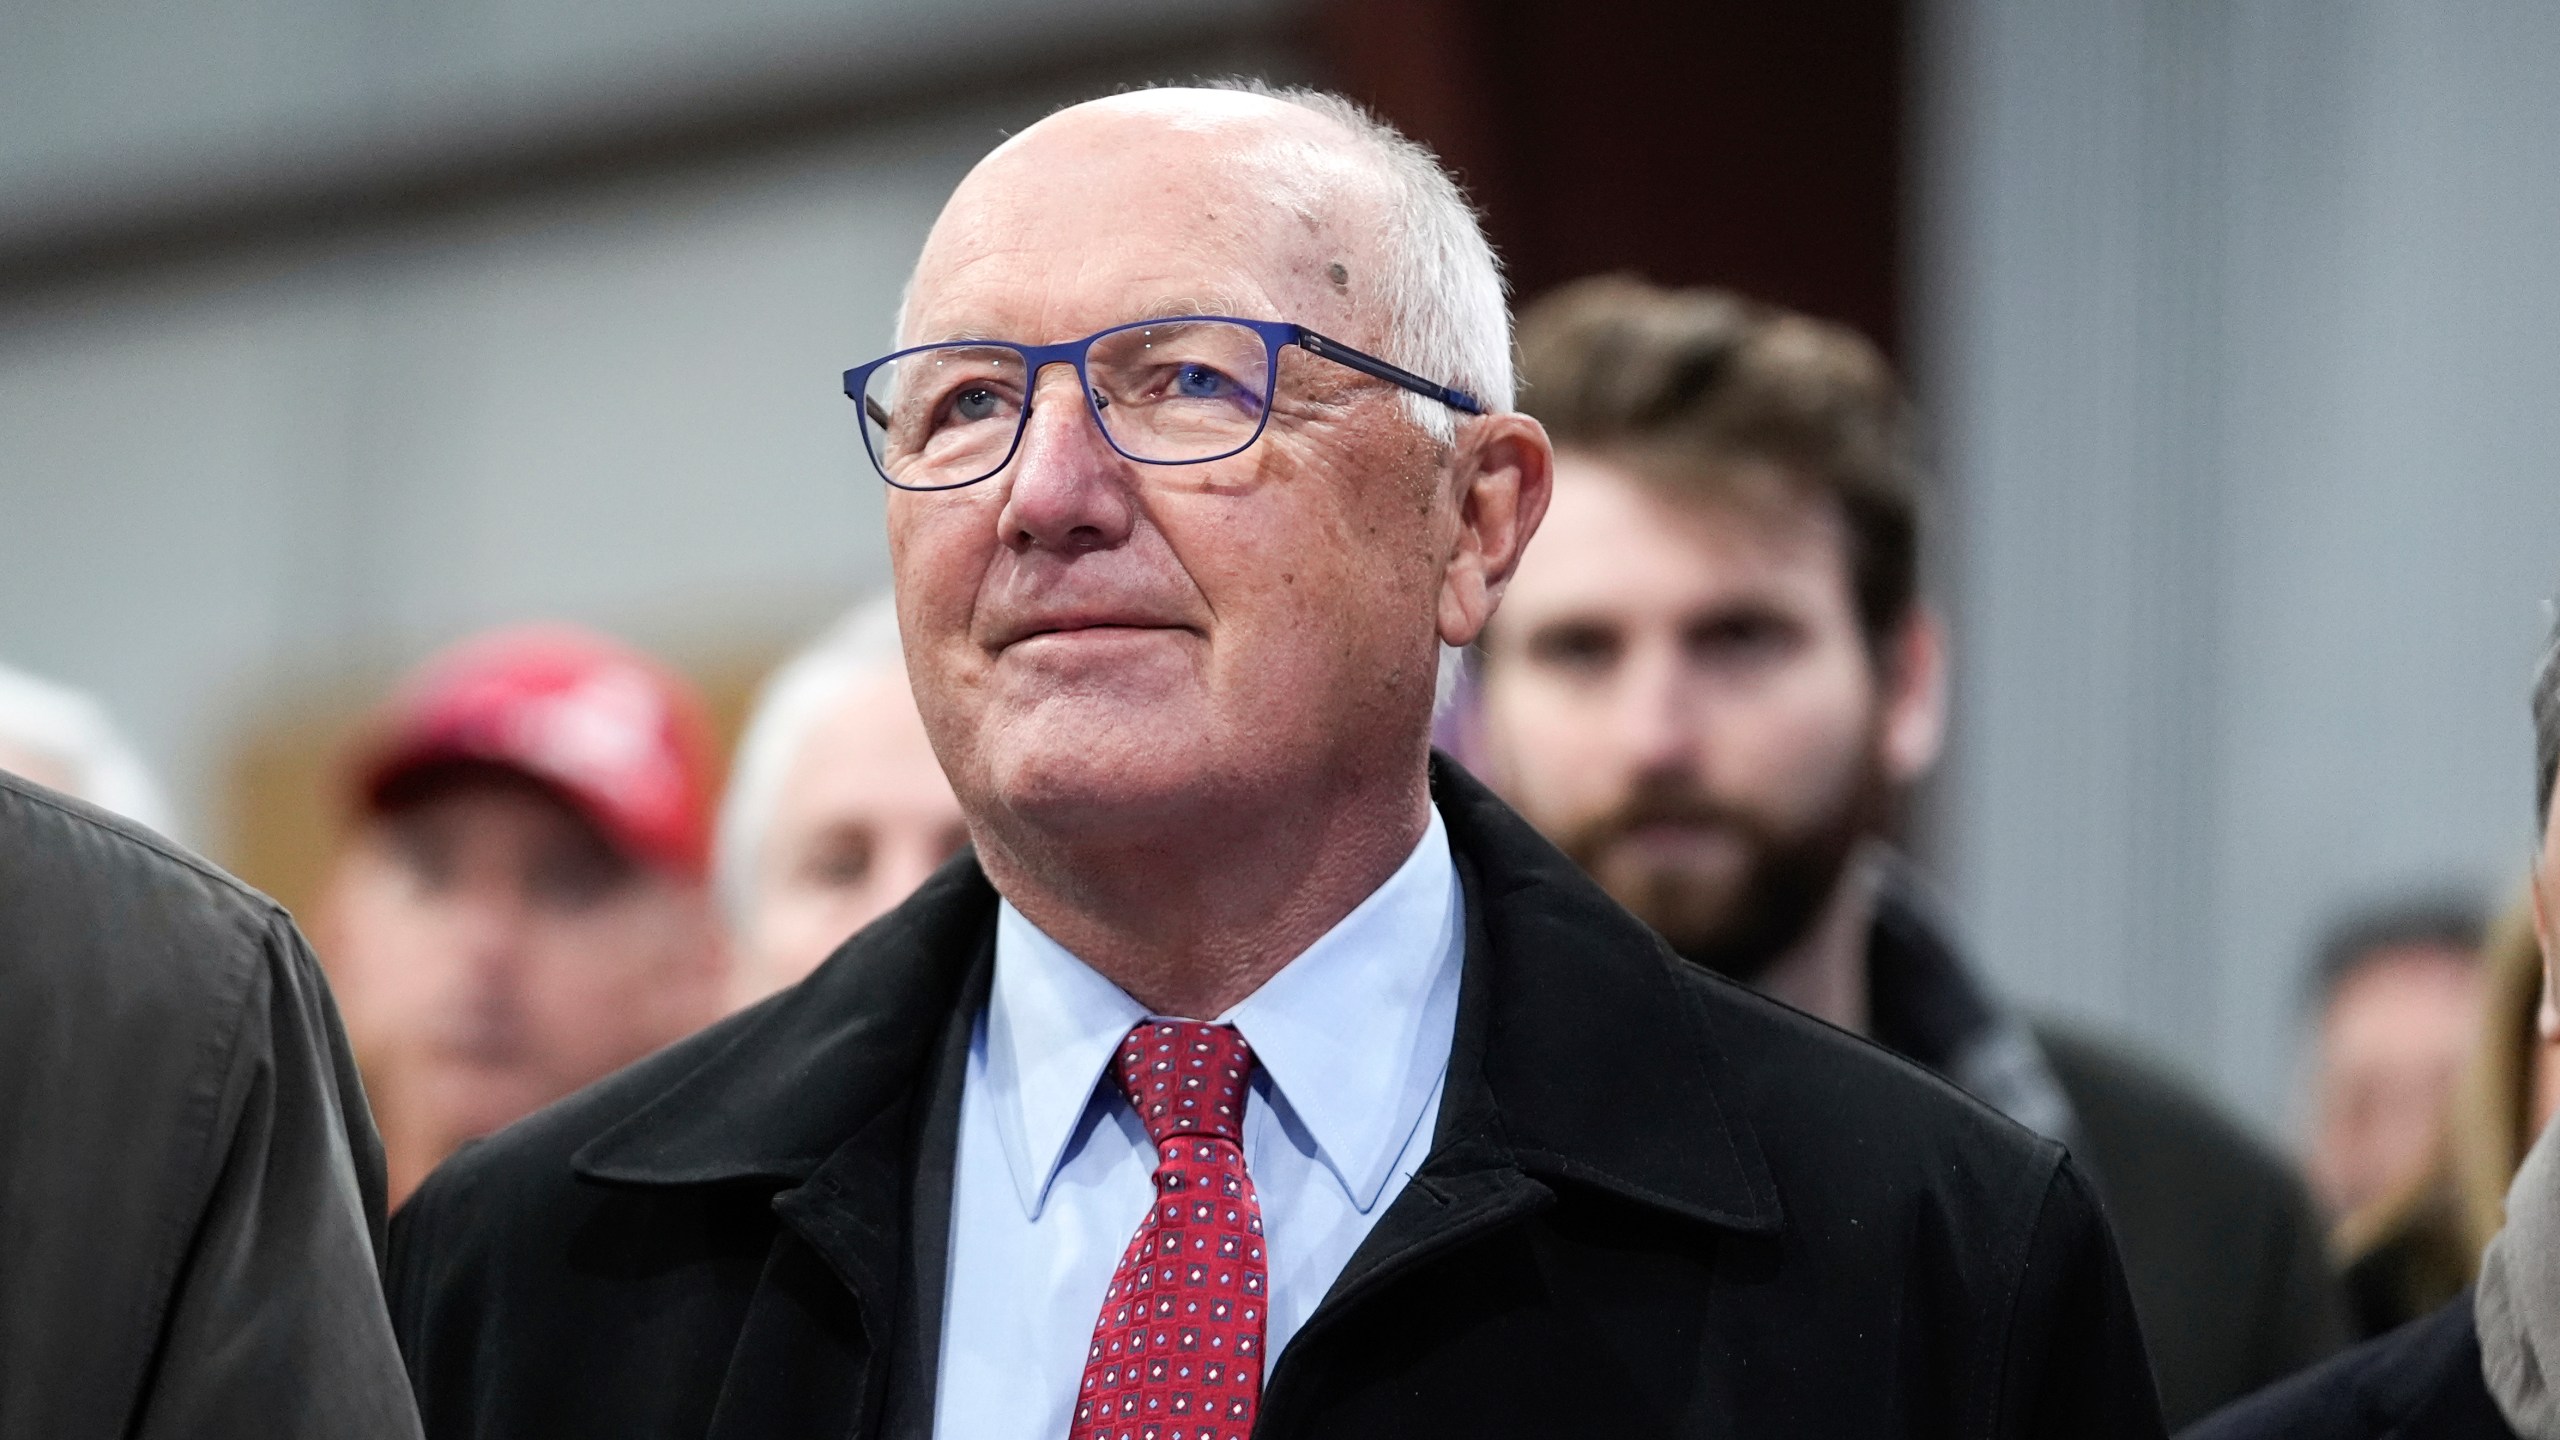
pixel 1278 199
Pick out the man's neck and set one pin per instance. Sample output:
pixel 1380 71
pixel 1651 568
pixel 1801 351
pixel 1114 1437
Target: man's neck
pixel 1825 975
pixel 1191 918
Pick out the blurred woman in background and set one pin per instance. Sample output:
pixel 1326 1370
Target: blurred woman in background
pixel 2413 1251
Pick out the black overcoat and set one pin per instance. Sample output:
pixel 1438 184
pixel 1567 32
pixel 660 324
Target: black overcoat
pixel 2419 1382
pixel 1656 1205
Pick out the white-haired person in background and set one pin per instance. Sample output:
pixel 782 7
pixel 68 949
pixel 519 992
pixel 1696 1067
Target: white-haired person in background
pixel 836 808
pixel 62 739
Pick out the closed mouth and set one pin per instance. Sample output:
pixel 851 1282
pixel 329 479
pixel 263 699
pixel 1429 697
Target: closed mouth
pixel 1088 627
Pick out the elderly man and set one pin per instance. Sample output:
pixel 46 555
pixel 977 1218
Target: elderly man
pixel 2486 1366
pixel 836 808
pixel 1711 684
pixel 1257 1074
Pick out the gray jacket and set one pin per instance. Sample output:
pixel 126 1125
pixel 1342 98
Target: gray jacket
pixel 191 1189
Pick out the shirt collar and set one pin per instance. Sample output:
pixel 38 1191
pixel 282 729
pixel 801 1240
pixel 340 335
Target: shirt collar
pixel 1354 1034
pixel 1363 1015
pixel 1053 1023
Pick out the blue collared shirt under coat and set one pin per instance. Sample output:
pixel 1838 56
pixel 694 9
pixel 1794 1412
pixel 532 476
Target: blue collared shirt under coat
pixel 1054 1171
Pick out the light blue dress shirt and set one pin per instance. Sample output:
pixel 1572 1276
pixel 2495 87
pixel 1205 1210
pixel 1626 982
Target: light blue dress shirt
pixel 1054 1170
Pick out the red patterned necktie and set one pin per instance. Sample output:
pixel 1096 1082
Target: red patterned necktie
pixel 1177 1351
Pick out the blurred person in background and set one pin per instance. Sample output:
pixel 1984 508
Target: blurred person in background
pixel 2396 996
pixel 61 738
pixel 1712 683
pixel 191 1192
pixel 523 904
pixel 2486 1365
pixel 2415 1247
pixel 836 808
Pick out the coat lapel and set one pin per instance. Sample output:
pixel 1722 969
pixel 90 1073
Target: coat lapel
pixel 811 1356
pixel 1580 1034
pixel 827 1091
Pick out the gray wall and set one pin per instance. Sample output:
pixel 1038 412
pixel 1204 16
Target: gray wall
pixel 2242 331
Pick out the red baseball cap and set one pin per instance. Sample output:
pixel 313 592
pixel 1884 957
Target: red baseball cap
pixel 618 736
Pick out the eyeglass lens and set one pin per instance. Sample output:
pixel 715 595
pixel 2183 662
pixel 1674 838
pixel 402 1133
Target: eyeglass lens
pixel 1177 391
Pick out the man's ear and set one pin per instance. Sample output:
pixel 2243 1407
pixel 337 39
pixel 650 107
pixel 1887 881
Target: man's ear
pixel 1501 473
pixel 1915 674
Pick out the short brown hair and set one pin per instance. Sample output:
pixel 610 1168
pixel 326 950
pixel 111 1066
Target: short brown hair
pixel 1687 383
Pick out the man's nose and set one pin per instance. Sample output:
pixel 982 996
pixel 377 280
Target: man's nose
pixel 489 935
pixel 1068 490
pixel 1656 712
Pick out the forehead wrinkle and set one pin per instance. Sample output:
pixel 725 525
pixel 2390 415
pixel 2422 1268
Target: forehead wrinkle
pixel 1194 305
pixel 1171 309
pixel 1031 280
pixel 1292 197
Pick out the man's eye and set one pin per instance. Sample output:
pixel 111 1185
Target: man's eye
pixel 976 402
pixel 1575 647
pixel 838 860
pixel 425 856
pixel 1200 382
pixel 1743 638
pixel 575 877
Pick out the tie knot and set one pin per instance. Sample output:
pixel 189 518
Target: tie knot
pixel 1186 1078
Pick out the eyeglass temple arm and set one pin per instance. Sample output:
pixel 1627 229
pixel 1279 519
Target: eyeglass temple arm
pixel 1371 365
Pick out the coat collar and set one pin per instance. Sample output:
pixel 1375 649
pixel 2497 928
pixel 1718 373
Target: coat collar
pixel 796 1077
pixel 1596 1058
pixel 1593 1059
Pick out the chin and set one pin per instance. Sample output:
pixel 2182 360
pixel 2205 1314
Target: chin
pixel 478 1101
pixel 1681 902
pixel 1090 769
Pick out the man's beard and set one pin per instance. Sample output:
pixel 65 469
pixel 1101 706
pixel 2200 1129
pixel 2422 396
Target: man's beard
pixel 1738 918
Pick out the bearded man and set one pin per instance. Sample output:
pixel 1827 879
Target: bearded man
pixel 1254 1074
pixel 1711 684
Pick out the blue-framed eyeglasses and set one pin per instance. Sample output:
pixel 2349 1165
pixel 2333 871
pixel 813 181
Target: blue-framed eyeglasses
pixel 1178 391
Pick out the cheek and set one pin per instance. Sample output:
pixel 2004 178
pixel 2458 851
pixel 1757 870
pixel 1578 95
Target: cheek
pixel 1801 749
pixel 795 923
pixel 1551 741
pixel 940 546
pixel 403 953
pixel 1331 562
pixel 623 949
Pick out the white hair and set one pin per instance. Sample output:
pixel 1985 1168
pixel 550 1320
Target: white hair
pixel 794 700
pixel 1448 307
pixel 72 730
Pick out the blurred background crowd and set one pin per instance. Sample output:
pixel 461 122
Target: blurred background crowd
pixel 421 451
